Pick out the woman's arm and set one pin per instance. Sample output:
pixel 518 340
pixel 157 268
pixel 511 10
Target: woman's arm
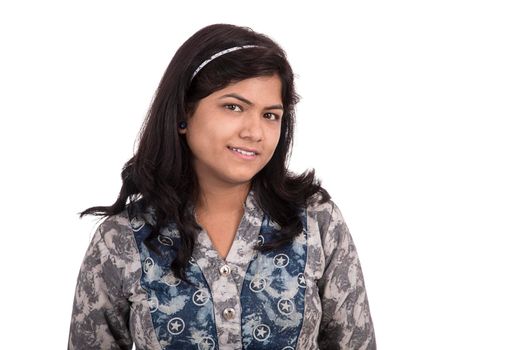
pixel 346 319
pixel 100 314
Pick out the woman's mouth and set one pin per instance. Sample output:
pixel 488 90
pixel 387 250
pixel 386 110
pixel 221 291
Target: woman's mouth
pixel 244 154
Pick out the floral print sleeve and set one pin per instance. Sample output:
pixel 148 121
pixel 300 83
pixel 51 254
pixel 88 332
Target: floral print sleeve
pixel 346 320
pixel 100 310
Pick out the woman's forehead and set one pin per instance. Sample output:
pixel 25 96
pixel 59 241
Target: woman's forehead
pixel 255 89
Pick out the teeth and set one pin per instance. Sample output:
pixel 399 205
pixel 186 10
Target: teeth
pixel 243 152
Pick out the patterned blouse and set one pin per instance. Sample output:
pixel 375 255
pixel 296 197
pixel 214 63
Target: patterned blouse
pixel 309 294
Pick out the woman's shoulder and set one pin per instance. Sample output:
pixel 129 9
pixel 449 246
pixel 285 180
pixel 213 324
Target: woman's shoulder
pixel 319 202
pixel 112 256
pixel 117 231
pixel 320 208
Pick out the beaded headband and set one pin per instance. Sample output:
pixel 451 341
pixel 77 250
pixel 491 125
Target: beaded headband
pixel 218 54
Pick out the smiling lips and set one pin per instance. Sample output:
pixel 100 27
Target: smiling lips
pixel 244 153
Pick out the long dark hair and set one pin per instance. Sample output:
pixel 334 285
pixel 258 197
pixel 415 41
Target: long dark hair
pixel 160 172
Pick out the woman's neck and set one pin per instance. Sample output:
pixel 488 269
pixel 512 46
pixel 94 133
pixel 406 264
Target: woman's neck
pixel 217 200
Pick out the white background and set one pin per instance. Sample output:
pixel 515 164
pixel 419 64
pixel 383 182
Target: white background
pixel 411 113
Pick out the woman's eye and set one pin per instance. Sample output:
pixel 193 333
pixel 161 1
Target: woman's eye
pixel 273 116
pixel 232 107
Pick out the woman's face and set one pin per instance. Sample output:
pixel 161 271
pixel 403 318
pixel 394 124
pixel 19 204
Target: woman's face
pixel 234 132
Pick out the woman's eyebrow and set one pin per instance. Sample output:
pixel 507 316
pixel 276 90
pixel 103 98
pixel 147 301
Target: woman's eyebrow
pixel 245 100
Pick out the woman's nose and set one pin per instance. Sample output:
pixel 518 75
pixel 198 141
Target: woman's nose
pixel 252 126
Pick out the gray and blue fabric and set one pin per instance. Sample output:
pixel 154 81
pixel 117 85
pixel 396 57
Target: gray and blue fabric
pixel 309 294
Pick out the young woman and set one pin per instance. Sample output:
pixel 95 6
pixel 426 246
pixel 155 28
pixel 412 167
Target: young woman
pixel 212 242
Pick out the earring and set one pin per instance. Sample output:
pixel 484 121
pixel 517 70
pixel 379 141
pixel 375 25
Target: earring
pixel 182 125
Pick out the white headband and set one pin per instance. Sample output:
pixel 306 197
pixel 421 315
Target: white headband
pixel 218 54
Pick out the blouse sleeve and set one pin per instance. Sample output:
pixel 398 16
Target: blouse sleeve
pixel 100 314
pixel 346 320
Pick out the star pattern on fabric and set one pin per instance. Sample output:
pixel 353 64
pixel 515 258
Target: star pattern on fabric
pixel 301 280
pixel 175 325
pixel 258 284
pixel 136 224
pixel 281 260
pixel 148 264
pixel 285 306
pixel 200 297
pixel 165 240
pixel 261 332
pixel 206 344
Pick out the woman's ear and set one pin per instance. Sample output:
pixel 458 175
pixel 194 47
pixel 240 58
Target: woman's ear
pixel 182 125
